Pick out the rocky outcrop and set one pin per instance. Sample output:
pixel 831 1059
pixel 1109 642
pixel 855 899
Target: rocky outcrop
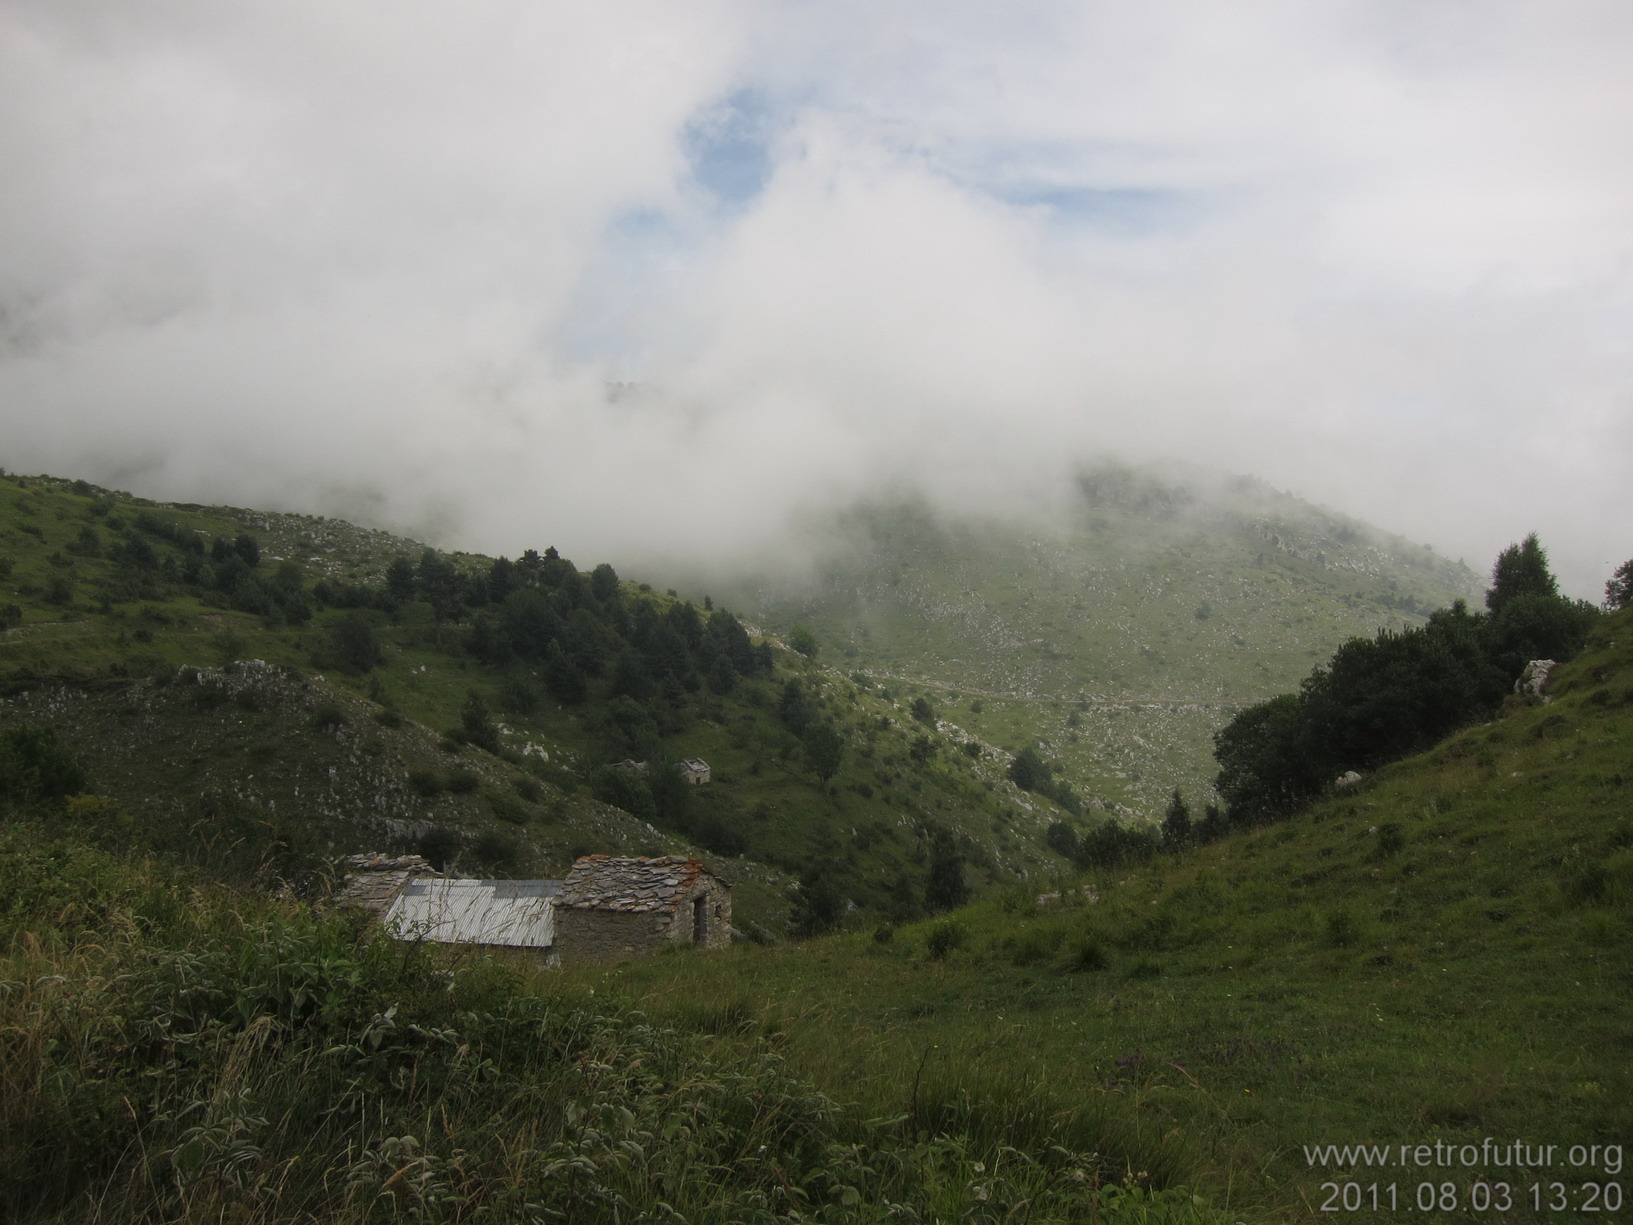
pixel 1534 679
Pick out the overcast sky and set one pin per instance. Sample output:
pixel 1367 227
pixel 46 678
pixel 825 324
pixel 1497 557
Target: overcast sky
pixel 386 259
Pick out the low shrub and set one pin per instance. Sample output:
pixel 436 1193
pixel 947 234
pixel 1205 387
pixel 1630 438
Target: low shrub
pixel 945 937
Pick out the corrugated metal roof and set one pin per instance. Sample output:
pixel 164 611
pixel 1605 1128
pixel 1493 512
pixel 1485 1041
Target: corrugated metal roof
pixel 513 913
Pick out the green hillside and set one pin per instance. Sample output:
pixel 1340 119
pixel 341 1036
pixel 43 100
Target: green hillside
pixel 1434 963
pixel 278 690
pixel 1120 633
pixel 1433 960
pixel 1442 955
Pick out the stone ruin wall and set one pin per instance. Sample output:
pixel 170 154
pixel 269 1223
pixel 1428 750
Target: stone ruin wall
pixel 588 936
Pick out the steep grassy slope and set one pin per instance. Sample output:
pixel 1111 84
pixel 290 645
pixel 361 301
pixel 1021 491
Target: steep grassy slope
pixel 262 730
pixel 1443 955
pixel 1120 634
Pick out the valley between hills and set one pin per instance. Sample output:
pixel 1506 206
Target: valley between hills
pixel 206 707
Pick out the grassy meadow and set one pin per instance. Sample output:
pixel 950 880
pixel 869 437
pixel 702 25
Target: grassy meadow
pixel 1442 954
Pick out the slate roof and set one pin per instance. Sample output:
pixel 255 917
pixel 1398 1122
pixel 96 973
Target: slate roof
pixel 512 913
pixel 635 886
pixel 376 880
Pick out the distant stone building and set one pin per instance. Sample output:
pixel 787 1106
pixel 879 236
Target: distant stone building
pixel 607 909
pixel 694 770
pixel 610 908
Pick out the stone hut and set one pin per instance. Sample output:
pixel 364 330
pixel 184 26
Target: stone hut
pixel 694 770
pixel 611 908
pixel 373 882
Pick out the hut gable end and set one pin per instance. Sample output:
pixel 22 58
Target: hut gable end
pixel 611 907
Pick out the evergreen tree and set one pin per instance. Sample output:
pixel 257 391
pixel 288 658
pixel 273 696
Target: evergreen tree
pixel 36 765
pixel 400 580
pixel 1213 826
pixel 587 642
pixel 562 676
pixel 796 708
pixel 631 678
pixel 1028 771
pixel 683 619
pixel 824 749
pixel 734 641
pixel 476 723
pixel 502 579
pixel 604 583
pixel 1619 589
pixel 1520 569
pixel 1061 838
pixel 440 585
pixel 1176 825
pixel 1264 766
pixel 944 887
pixel 722 676
pixel 818 905
pixel 353 644
pixel 672 795
pixel 528 622
pixel 624 789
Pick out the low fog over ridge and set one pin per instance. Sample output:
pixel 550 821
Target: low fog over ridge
pixel 644 281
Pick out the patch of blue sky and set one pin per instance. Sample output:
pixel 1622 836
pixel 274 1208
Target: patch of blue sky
pixel 1126 210
pixel 1128 191
pixel 728 145
pixel 729 160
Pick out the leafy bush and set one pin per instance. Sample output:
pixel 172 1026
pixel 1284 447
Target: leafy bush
pixel 945 937
pixel 623 788
pixel 328 717
pixel 1086 955
pixel 351 644
pixel 36 765
pixel 425 782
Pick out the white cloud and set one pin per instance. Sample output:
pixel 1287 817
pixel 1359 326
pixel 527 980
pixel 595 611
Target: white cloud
pixel 387 255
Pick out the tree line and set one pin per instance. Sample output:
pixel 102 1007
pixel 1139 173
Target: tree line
pixel 1384 698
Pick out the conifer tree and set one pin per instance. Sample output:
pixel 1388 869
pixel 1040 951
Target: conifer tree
pixel 1619 590
pixel 945 888
pixel 1520 569
pixel 1176 825
pixel 824 749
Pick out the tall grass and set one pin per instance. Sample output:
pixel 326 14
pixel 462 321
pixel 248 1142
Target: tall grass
pixel 170 1051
